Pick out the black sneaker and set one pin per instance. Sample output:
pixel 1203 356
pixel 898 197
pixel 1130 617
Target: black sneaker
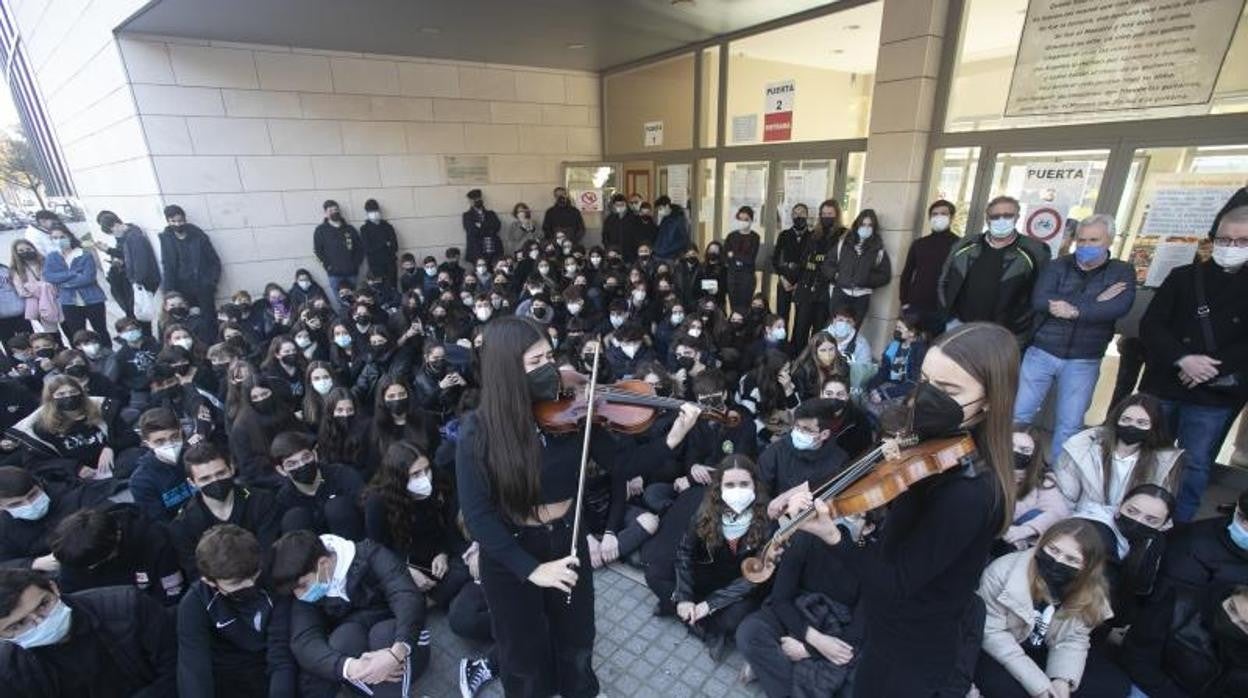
pixel 473 674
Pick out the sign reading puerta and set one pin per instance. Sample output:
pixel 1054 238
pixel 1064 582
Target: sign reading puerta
pixel 778 111
pixel 1079 56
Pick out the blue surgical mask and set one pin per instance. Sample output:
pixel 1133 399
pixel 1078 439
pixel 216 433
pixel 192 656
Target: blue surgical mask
pixel 840 329
pixel 1001 227
pixel 131 335
pixel 316 591
pixel 33 511
pixel 63 243
pixel 1239 534
pixel 49 631
pixel 343 340
pixel 1090 255
pixel 803 441
pixel 864 232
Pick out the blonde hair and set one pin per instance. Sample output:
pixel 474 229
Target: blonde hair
pixel 1088 594
pixel 57 422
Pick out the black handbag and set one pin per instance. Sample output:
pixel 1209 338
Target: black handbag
pixel 1231 382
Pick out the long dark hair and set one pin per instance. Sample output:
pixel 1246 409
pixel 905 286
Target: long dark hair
pixel 505 418
pixel 770 394
pixel 385 430
pixel 1036 476
pixel 334 443
pixel 989 353
pixel 1146 468
pixel 710 514
pixel 390 484
pixel 313 403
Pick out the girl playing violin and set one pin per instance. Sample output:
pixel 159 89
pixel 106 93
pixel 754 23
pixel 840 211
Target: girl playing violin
pixel 517 489
pixel 919 578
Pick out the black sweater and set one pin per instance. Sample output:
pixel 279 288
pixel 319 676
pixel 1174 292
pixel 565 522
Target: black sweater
pixel 217 637
pixel 560 469
pixel 254 510
pixel 339 481
pixel 808 566
pixel 339 248
pixel 783 467
pixel 921 273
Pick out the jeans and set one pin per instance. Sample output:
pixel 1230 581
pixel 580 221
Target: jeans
pixel 1199 430
pixel 334 282
pixel 1076 381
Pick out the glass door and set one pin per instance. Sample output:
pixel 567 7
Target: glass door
pixel 746 184
pixel 590 185
pixel 1056 189
pixel 674 182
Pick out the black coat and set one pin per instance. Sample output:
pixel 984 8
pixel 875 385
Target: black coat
pixel 481 235
pixel 566 218
pixel 221 646
pixel 786 256
pixel 381 247
pixel 1169 652
pixel 339 249
pixel 921 273
pixel 145 559
pixel 195 252
pixel 119 624
pixel 1202 553
pixel 379 588
pixel 1174 331
pixel 254 510
pixel 139 258
pixel 711 577
pixel 783 467
pixel 339 481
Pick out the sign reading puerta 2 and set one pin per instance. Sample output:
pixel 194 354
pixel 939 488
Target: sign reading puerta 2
pixel 1079 56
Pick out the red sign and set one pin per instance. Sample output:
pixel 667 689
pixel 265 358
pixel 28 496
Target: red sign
pixel 1044 224
pixel 778 126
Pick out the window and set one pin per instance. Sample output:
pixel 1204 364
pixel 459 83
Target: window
pixel 709 98
pixel 1069 181
pixel 658 95
pixel 706 202
pixel 829 62
pixel 987 50
pixel 953 179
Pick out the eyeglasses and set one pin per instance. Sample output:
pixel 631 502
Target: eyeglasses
pixel 1230 242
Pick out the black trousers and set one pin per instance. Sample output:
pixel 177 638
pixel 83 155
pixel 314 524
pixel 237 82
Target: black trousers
pixel 447 589
pixel 204 298
pixel 741 289
pixel 1101 677
pixel 784 301
pixel 338 516
pixel 10 326
pixel 77 317
pixel 758 640
pixel 858 304
pixel 469 614
pixel 659 552
pixel 545 644
pixel 1130 363
pixel 354 639
pixel 809 317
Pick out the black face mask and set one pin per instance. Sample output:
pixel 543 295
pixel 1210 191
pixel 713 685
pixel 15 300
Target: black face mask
pixel 244 597
pixel 935 413
pixel 799 223
pixel 1133 530
pixel 1057 576
pixel 72 403
pixel 170 396
pixel 28 255
pixel 1021 461
pixel 78 371
pixel 1131 435
pixel 543 383
pixel 218 489
pixel 289 361
pixel 305 475
pixel 837 405
pixel 343 422
pixel 46 353
pixel 714 402
pixel 437 369
pixel 685 362
pixel 397 406
pixel 827 223
pixel 179 313
pixel 264 406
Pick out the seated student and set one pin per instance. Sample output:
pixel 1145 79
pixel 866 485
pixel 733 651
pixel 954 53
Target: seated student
pixel 1098 466
pixel 628 350
pixel 410 511
pixel 769 394
pixel 818 363
pixel 219 500
pixel 1042 605
pixel 321 497
pixel 710 594
pixel 115 545
pixel 32 508
pixel 159 483
pixel 198 412
pixel 1143 518
pixel 436 386
pixel 1190 642
pixel 223 620
pixel 852 345
pixel 136 352
pixel 74 364
pixel 357 617
pixel 73 436
pixel 898 373
pixel 262 415
pixel 1038 504
pixel 343 434
pixel 104 643
pixel 1209 551
pixel 802 641
pixel 851 428
pixel 99 357
pixel 806 460
pixel 688 361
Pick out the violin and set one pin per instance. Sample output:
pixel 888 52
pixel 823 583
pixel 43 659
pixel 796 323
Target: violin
pixel 627 406
pixel 869 483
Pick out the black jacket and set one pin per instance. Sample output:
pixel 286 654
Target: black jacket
pixel 921 273
pixel 1021 265
pixel 481 237
pixel 221 645
pixel 812 282
pixel 22 541
pixel 711 577
pixel 851 263
pixel 145 559
pixel 379 588
pixel 1173 331
pixel 783 467
pixel 339 249
pixel 1202 553
pixel 139 258
pixel 117 623
pixel 1170 651
pixel 193 253
pixel 381 246
pixel 254 510
pixel 339 481
pixel 786 256
pixel 566 218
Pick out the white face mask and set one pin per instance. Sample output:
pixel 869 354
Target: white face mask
pixel 49 631
pixel 630 350
pixel 738 498
pixel 421 486
pixel 374 216
pixel 778 334
pixel 639 296
pixel 695 332
pixel 184 343
pixel 678 318
pixel 617 320
pixel 303 342
pixel 940 223
pixel 323 385
pixel 864 232
pixel 168 453
pixel 743 225
pixel 574 308
pixel 620 210
pixel 91 350
pixel 1230 257
pixel 483 314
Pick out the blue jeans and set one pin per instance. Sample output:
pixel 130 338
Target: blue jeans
pixel 1199 431
pixel 1076 381
pixel 333 288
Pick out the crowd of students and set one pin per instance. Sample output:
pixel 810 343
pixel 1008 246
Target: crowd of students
pixel 268 497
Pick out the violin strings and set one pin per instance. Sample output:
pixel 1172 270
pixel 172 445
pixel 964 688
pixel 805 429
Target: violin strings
pixel 847 477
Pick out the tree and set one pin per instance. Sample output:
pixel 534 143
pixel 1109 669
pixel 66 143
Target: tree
pixel 19 166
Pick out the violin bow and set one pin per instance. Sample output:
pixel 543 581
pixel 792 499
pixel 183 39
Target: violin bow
pixel 589 428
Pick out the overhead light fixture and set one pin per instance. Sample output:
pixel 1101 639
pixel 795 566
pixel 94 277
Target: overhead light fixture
pixel 576 47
